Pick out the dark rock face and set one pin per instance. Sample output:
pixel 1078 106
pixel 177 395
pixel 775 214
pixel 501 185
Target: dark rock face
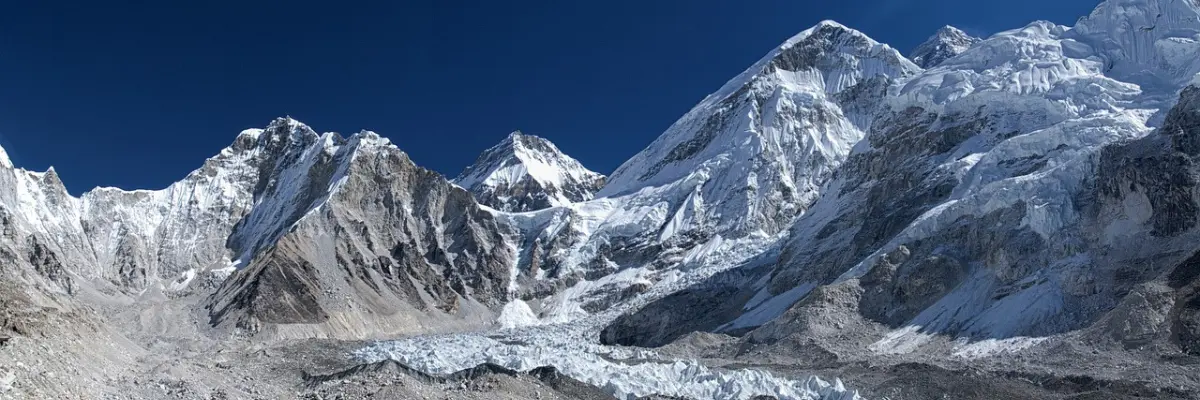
pixel 390 234
pixel 1185 273
pixel 1163 168
pixel 1186 326
pixel 46 263
pixel 277 291
pixel 696 309
pixel 671 318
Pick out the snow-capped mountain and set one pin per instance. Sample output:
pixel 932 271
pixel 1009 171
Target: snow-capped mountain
pixel 730 175
pixel 286 210
pixel 527 173
pixel 133 239
pixel 982 202
pixel 985 197
pixel 349 238
pixel 946 43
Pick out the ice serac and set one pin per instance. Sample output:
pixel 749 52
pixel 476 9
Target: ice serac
pixel 528 173
pixel 1152 43
pixel 348 238
pixel 977 206
pixel 946 43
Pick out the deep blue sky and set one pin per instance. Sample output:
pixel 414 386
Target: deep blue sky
pixel 137 94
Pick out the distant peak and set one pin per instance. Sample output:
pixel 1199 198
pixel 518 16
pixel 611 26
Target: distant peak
pixel 823 26
pixel 520 144
pixel 367 135
pixel 830 37
pixel 289 128
pixel 251 133
pixel 514 139
pixel 950 31
pixel 370 138
pixel 526 172
pixel 283 122
pixel 946 43
pixel 831 23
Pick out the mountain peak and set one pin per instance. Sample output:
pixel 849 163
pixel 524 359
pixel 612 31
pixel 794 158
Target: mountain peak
pixel 827 28
pixel 950 31
pixel 525 173
pixel 831 24
pixel 819 63
pixel 4 160
pixel 530 146
pixel 943 45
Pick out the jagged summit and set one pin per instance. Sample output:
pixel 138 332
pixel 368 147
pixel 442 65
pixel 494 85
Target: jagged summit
pixel 753 155
pixel 818 34
pixel 525 173
pixel 838 56
pixel 946 43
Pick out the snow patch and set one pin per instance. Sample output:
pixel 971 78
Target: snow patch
pixel 223 273
pixel 901 341
pixel 517 314
pixel 183 281
pixel 991 347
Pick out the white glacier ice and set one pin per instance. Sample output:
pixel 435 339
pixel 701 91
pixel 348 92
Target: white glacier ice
pixel 624 373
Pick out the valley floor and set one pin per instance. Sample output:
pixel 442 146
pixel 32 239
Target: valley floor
pixel 51 363
pixel 160 349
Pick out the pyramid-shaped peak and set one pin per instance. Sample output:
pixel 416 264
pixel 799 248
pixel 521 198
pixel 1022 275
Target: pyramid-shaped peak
pixel 951 31
pixel 826 28
pixel 826 47
pixel 526 172
pixel 946 43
